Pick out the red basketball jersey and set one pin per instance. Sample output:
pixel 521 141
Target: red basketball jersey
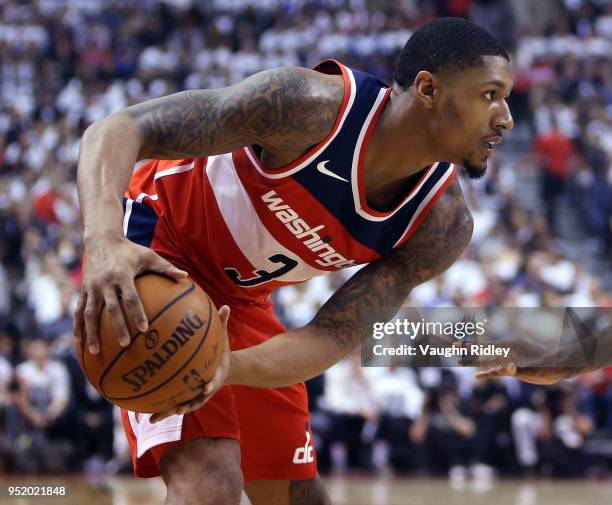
pixel 250 229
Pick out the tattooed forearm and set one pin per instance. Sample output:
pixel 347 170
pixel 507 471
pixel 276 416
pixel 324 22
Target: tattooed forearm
pixel 385 284
pixel 286 109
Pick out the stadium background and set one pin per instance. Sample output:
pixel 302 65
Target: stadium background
pixel 542 236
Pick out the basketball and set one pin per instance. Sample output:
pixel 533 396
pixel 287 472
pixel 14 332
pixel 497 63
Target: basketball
pixel 171 362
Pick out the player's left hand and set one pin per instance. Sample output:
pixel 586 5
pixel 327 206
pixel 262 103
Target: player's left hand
pixel 526 361
pixel 213 385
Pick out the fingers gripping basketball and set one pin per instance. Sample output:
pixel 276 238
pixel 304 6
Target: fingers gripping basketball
pixel 171 362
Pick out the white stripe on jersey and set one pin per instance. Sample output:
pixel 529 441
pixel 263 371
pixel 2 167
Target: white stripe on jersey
pixel 142 196
pixel 427 199
pixel 126 216
pixel 174 170
pixel 257 164
pixel 250 234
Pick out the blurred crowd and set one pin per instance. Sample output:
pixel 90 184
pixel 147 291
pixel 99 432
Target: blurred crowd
pixel 68 63
pixel 438 421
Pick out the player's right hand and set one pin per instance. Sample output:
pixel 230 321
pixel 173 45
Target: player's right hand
pixel 108 280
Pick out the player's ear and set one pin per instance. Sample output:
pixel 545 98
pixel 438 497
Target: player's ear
pixel 426 88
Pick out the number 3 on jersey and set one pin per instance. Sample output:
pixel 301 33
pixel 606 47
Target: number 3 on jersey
pixel 260 276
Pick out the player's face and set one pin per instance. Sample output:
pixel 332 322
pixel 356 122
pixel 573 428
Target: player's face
pixel 474 113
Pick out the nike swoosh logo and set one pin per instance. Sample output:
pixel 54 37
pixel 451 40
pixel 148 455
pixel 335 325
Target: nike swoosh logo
pixel 321 168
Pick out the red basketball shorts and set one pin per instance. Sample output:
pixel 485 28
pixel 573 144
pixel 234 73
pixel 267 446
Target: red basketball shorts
pixel 272 425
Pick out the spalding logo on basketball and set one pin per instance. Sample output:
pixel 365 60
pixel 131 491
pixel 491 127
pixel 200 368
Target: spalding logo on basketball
pixel 169 364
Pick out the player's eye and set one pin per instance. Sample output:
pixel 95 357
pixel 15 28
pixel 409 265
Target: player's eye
pixel 490 95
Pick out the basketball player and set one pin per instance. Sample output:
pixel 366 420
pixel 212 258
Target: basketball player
pixel 289 174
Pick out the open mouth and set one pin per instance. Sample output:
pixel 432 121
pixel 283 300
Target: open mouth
pixel 490 144
pixel 488 147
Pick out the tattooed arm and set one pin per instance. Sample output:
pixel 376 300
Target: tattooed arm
pixel 284 110
pixel 338 327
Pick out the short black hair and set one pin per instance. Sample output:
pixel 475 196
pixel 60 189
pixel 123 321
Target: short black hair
pixel 445 44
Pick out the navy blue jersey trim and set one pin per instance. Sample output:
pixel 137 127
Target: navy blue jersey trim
pixel 141 222
pixel 377 235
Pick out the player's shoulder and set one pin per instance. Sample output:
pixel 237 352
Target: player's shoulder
pixel 304 84
pixel 452 202
pixel 453 213
pixel 438 242
pixel 289 107
pixel 449 221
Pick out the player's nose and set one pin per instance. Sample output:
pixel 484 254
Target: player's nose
pixel 504 120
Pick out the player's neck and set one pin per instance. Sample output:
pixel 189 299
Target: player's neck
pixel 401 145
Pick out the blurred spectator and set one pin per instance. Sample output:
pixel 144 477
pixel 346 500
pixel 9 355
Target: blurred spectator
pixel 497 16
pixel 45 292
pixel 553 432
pixel 400 401
pixel 554 151
pixel 41 400
pixel 91 421
pixel 446 434
pixel 599 384
pixel 352 407
pixel 490 406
